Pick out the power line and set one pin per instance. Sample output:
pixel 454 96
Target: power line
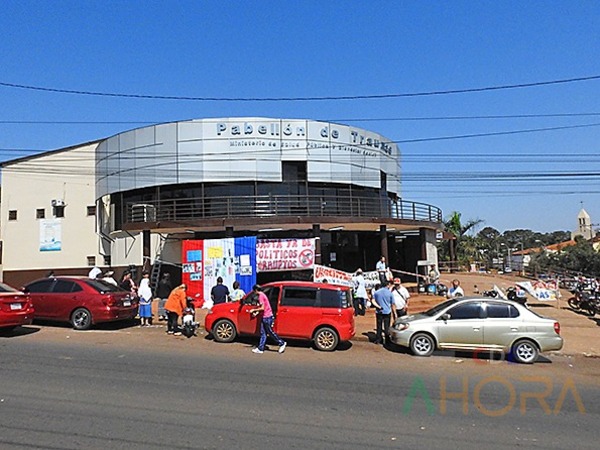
pixel 405 141
pixel 313 98
pixel 334 120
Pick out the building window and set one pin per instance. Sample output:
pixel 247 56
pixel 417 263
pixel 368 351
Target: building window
pixel 59 211
pixel 12 214
pixel 40 213
pixel 91 260
pixel 91 210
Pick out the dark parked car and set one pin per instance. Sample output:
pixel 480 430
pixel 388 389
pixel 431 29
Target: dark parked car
pixel 15 308
pixel 80 301
pixel 318 312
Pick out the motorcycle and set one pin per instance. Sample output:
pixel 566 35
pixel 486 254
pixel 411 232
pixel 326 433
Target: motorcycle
pixel 188 320
pixel 586 302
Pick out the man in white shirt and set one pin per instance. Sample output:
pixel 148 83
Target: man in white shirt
pixel 455 290
pixel 381 268
pixel 360 293
pixel 401 296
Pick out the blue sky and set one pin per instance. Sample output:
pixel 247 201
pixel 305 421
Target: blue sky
pixel 264 49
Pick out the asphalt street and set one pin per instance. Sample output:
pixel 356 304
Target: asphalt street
pixel 61 389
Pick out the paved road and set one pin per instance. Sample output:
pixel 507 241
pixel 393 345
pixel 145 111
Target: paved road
pixel 132 388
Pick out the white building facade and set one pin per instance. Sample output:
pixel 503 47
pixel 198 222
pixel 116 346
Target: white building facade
pixel 131 199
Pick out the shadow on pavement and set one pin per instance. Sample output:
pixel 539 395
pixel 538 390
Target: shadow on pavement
pixel 18 331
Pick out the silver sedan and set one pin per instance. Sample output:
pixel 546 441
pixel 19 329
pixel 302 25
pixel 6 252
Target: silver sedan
pixel 478 324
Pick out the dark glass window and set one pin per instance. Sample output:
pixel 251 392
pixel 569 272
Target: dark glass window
pixel 102 286
pixel 466 311
pixel 12 214
pixel 273 296
pixel 65 287
pixel 299 297
pixel 59 211
pixel 91 210
pixel 501 311
pixel 40 286
pixel 40 213
pixel 333 299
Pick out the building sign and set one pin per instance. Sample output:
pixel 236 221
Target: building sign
pixel 334 276
pixel 50 235
pixel 273 255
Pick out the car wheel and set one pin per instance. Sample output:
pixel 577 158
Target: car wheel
pixel 326 339
pixel 422 344
pixel 589 310
pixel 525 352
pixel 81 319
pixel 224 331
pixel 573 303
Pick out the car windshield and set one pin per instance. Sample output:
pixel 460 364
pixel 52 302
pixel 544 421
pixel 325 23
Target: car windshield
pixel 103 286
pixel 437 308
pixel 7 288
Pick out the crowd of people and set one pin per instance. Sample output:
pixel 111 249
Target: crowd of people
pixel 388 296
pixel 171 300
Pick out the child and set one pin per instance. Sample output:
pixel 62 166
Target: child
pixel 145 294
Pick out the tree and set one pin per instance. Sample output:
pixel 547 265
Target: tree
pixel 455 226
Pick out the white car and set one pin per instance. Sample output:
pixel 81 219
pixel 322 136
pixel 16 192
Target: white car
pixel 478 324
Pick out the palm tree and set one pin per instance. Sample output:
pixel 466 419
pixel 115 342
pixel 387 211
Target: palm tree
pixel 458 229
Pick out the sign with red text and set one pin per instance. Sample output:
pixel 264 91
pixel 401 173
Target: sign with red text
pixel 333 276
pixel 274 255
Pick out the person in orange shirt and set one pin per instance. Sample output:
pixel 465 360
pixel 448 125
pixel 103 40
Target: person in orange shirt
pixel 174 307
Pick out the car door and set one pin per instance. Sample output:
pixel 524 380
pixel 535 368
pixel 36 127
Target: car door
pixel 501 325
pixel 246 322
pixel 463 328
pixel 298 312
pixel 66 297
pixel 39 292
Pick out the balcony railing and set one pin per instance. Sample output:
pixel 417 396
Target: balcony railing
pixel 279 205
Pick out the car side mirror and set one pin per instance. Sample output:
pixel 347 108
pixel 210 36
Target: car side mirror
pixel 25 290
pixel 446 316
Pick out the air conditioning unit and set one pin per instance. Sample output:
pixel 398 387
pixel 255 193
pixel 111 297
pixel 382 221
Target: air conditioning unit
pixel 58 203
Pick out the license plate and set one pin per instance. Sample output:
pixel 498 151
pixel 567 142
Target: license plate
pixel 127 303
pixel 15 306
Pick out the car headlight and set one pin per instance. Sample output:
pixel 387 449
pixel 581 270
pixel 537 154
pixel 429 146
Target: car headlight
pixel 400 326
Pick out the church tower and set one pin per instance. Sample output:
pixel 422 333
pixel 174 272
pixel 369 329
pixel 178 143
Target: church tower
pixel 584 226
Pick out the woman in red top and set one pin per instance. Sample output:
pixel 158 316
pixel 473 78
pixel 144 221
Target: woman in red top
pixel 174 307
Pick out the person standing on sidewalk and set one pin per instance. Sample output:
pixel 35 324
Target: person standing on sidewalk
pixel 360 293
pixel 266 321
pixel 174 307
pixel 163 290
pixel 381 268
pixel 145 307
pixel 383 301
pixel 401 296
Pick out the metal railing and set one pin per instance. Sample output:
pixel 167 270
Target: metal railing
pixel 279 205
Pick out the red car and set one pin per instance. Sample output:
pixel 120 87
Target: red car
pixel 80 301
pixel 318 312
pixel 15 308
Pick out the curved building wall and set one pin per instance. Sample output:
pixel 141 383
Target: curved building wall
pixel 244 149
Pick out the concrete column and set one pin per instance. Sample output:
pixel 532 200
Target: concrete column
pixel 146 250
pixel 316 232
pixel 384 243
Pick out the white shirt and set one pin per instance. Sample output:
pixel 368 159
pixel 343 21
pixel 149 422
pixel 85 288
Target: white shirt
pixel 401 296
pixel 380 266
pixel 455 292
pixel 360 286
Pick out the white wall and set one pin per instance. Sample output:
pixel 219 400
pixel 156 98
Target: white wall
pixel 32 184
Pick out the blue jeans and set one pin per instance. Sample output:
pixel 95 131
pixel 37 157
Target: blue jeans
pixel 266 327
